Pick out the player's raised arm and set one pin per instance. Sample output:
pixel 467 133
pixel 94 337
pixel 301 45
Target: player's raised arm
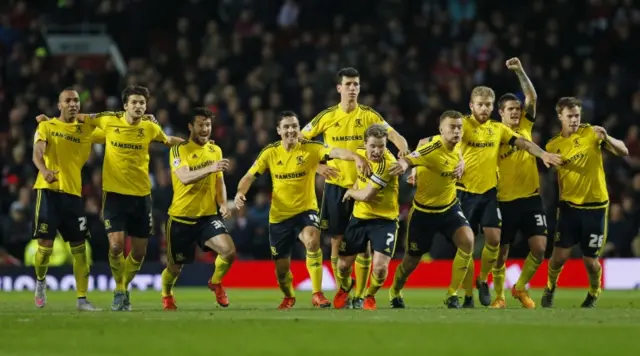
pixel 530 95
pixel 258 168
pixel 611 144
pixel 346 155
pixel 400 142
pixel 39 148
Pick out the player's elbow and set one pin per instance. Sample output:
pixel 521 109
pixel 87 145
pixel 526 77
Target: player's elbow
pixel 370 195
pixel 624 151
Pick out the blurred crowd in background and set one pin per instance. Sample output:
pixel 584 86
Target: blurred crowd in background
pixel 249 59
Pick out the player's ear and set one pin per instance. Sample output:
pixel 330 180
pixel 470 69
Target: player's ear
pixel 338 87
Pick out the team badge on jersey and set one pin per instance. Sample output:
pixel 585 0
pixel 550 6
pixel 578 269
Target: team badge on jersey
pixel 414 154
pixel 140 133
pixel 176 162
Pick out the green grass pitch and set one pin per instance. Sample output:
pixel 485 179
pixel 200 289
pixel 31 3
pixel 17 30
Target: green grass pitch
pixel 252 326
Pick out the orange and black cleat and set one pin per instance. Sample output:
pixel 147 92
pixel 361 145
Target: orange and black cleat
pixel 287 303
pixel 342 297
pixel 320 301
pixel 523 297
pixel 169 303
pixel 221 295
pixel 369 303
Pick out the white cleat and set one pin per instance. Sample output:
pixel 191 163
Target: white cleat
pixel 40 297
pixel 85 305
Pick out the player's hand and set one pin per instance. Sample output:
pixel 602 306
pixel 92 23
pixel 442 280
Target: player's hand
pixel 225 212
pixel 514 64
pixel 551 159
pixel 49 175
pixel 239 200
pixel 601 132
pixel 403 153
pixel 221 165
pixel 328 172
pixel 411 179
pixel 363 166
pixel 42 117
pixel 346 196
pixel 398 168
pixel 459 170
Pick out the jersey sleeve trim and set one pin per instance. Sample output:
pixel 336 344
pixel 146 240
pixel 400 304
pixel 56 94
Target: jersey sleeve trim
pixel 512 140
pixel 381 167
pixel 529 117
pixel 316 120
pixel 429 148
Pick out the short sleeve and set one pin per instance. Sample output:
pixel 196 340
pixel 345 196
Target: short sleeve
pixel 421 156
pixel 101 119
pixel 175 158
pixel 98 136
pixel 262 162
pixel 318 150
pixel 159 135
pixel 42 133
pixel 507 135
pixel 592 135
pixel 376 118
pixel 316 126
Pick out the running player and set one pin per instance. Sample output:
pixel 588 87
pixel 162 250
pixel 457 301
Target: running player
pixel 61 147
pixel 343 125
pixel 198 209
pixel 374 221
pixel 584 199
pixel 518 193
pixel 435 208
pixel 292 163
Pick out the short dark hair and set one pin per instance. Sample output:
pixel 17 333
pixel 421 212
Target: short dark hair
pixel 202 111
pixel 507 97
pixel 349 72
pixel 568 102
pixel 286 113
pixel 451 114
pixel 134 90
pixel 377 131
pixel 66 89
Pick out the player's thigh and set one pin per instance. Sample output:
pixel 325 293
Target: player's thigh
pixel 214 236
pixel 309 225
pixel 421 228
pixel 335 213
pixel 568 227
pixel 534 219
pixel 454 225
pixel 140 222
pixel 470 204
pixel 115 210
pixel 47 216
pixel 355 238
pixel 383 235
pixel 182 238
pixel 511 222
pixel 73 226
pixel 491 212
pixel 594 231
pixel 282 237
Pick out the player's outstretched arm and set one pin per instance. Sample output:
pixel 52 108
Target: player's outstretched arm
pixel 243 187
pixel 173 140
pixel 400 142
pixel 367 193
pixel 361 163
pixel 611 144
pixel 188 177
pixel 530 95
pixel 549 159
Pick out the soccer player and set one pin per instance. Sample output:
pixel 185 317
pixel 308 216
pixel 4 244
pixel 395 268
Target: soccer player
pixel 477 192
pixel 518 193
pixel 292 164
pixel 374 221
pixel 343 125
pixel 61 147
pixel 198 209
pixel 435 208
pixel 126 201
pixel 584 199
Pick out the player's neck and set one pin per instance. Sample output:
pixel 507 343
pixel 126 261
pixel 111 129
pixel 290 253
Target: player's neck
pixel 348 106
pixel 449 145
pixel 510 125
pixel 65 119
pixel 131 120
pixel 289 146
pixel 565 133
pixel 479 120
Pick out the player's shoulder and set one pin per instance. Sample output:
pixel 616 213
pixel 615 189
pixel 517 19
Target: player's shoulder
pixel 181 147
pixel 585 129
pixel 311 143
pixel 109 115
pixel 389 157
pixel 554 141
pixel 433 144
pixel 213 148
pixel 324 115
pixel 368 110
pixel 268 149
pixel 361 150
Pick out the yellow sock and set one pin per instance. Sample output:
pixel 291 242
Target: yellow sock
pixel 467 282
pixel 168 281
pixel 314 266
pixel 529 269
pixel 117 270
pixel 376 283
pixel 222 266
pixel 553 275
pixel 399 279
pixel 80 270
pixel 363 268
pixel 41 261
pixel 489 258
pixel 458 271
pixel 334 266
pixel 344 280
pixel 131 268
pixel 499 275
pixel 595 281
pixel 286 285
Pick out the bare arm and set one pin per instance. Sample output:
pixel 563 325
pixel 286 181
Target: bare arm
pixel 221 191
pixel 400 142
pixel 38 155
pixel 530 95
pixel 529 146
pixel 615 146
pixel 367 193
pixel 361 164
pixel 245 183
pixel 173 140
pixel 187 176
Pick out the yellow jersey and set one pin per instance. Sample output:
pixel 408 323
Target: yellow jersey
pixel 480 146
pixel 435 178
pixel 581 175
pixel 197 199
pixel 293 175
pixel 385 204
pixel 126 159
pixel 517 169
pixel 343 130
pixel 68 148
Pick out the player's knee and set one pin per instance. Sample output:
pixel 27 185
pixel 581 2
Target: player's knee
pixel 115 249
pixel 380 271
pixel 138 255
pixel 229 253
pixel 492 236
pixel 312 244
pixel 592 264
pixel 538 249
pixel 45 243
